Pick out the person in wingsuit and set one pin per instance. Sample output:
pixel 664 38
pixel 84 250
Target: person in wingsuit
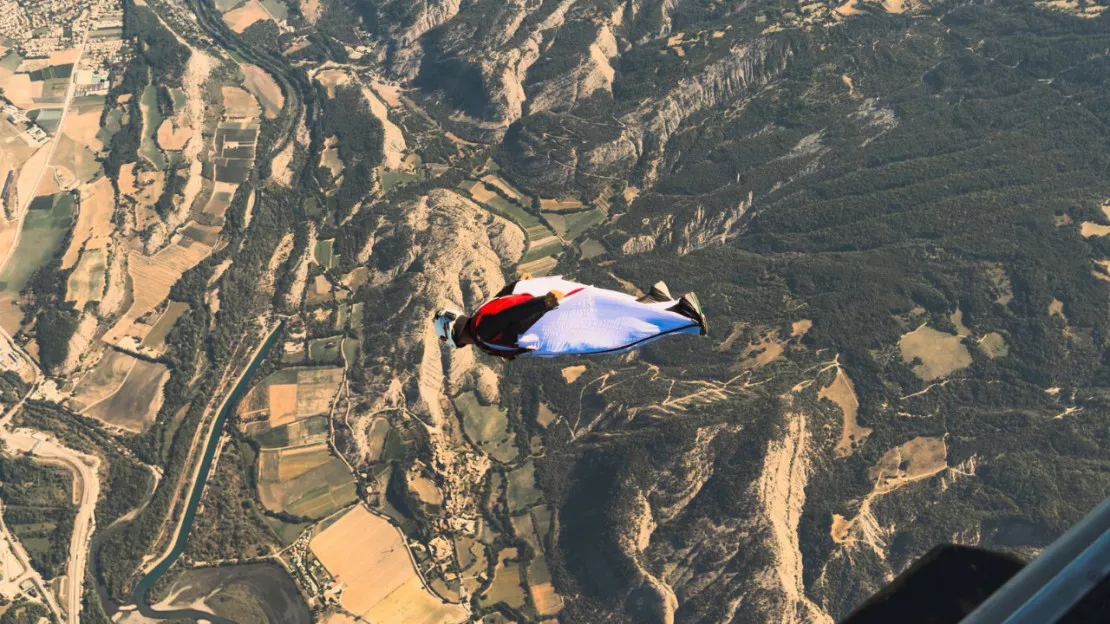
pixel 551 317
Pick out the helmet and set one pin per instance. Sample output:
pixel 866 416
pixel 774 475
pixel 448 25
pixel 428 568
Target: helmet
pixel 445 326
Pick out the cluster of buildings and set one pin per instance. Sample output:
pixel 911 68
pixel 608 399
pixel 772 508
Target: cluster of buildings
pixel 105 51
pixel 41 27
pixel 310 574
pixel 9 359
pixel 34 134
pixel 43 62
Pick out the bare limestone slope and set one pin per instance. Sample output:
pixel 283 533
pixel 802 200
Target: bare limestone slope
pixel 457 254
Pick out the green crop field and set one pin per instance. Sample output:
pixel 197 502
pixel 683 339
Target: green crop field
pixel 179 99
pixel 286 532
pixel 308 431
pixel 573 224
pixel 513 212
pixel 152 118
pixel 324 253
pixel 394 179
pixel 44 229
pixel 521 488
pixel 342 315
pixel 325 350
pixel 157 336
pixel 314 494
pixel 508 585
pixel 549 248
pixel 591 249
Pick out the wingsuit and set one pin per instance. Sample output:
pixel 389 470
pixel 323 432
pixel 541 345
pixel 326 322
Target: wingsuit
pixel 551 317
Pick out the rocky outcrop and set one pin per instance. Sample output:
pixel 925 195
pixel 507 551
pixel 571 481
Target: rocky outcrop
pixel 706 229
pixel 593 73
pixel 782 495
pixel 646 130
pixel 449 252
pixel 393 140
pixel 631 147
pixel 405 41
pixel 504 71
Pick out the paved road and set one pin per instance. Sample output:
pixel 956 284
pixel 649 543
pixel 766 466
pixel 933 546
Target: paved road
pixel 86 486
pixel 16 546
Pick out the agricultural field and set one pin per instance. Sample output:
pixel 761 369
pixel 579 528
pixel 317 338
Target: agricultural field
pixel 533 526
pixel 235 139
pixel 521 488
pixel 472 562
pixel 375 440
pixel 288 396
pixel 94 227
pixel 44 230
pixel 152 119
pixel 235 144
pixel 424 488
pixel 262 86
pixel 508 585
pixel 544 416
pixel 286 532
pixel 248 13
pixel 307 431
pixel 172 138
pixel 394 179
pixel 571 225
pixel 548 602
pixel 286 415
pixel 993 345
pixel 561 205
pixel 156 337
pixel 543 244
pixel 102 380
pixel 842 392
pixel 331 350
pixel 342 315
pixel 157 274
pixel 330 160
pixel 88 279
pixel 324 254
pixel 487 426
pixel 380 584
pixel 14 151
pixel 591 249
pixel 287 464
pixel 510 191
pixel 135 404
pixel 82 124
pixel 276 8
pixel 321 486
pixel 113 121
pixel 319 292
pixel 74 163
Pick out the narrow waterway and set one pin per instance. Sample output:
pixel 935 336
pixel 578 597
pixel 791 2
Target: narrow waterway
pixel 148 581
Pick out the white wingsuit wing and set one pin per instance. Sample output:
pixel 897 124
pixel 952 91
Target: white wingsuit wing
pixel 592 320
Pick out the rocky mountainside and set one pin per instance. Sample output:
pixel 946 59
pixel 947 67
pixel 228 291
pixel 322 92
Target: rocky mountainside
pixel 895 214
pixel 885 210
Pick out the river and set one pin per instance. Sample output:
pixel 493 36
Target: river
pixel 148 581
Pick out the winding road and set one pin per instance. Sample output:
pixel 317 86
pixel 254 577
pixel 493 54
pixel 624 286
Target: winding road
pixel 86 484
